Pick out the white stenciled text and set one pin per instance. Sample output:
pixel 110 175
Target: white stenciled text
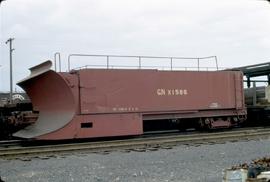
pixel 171 92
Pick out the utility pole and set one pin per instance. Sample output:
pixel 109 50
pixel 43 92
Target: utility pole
pixel 10 67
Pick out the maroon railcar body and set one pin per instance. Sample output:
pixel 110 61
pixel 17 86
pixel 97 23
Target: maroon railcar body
pixel 114 102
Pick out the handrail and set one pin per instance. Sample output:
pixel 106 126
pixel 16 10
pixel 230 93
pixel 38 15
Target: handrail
pixel 59 60
pixel 186 68
pixel 140 58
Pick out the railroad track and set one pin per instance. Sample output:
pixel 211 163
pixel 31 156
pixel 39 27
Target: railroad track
pixel 137 144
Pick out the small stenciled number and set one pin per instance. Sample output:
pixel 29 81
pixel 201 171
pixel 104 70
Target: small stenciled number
pixel 125 109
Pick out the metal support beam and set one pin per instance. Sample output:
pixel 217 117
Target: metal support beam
pixel 107 62
pixel 171 63
pixel 248 81
pixel 254 94
pixel 55 61
pixel 216 62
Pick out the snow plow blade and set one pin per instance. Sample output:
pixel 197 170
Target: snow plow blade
pixel 51 96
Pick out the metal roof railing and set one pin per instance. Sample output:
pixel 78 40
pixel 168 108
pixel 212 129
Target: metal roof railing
pixel 140 58
pixel 59 61
pixel 182 68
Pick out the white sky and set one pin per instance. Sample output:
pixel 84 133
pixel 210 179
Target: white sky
pixel 236 31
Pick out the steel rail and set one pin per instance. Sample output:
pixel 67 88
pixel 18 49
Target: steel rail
pixel 135 143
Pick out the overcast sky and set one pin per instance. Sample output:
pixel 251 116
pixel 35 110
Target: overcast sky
pixel 236 31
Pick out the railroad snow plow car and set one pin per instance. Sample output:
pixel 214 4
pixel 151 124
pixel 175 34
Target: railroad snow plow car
pixel 90 103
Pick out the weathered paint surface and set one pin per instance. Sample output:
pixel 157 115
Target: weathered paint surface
pixel 114 91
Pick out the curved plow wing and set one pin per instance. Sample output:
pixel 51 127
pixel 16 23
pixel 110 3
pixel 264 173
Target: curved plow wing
pixel 51 96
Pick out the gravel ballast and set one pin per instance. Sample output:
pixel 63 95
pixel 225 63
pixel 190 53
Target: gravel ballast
pixel 194 163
